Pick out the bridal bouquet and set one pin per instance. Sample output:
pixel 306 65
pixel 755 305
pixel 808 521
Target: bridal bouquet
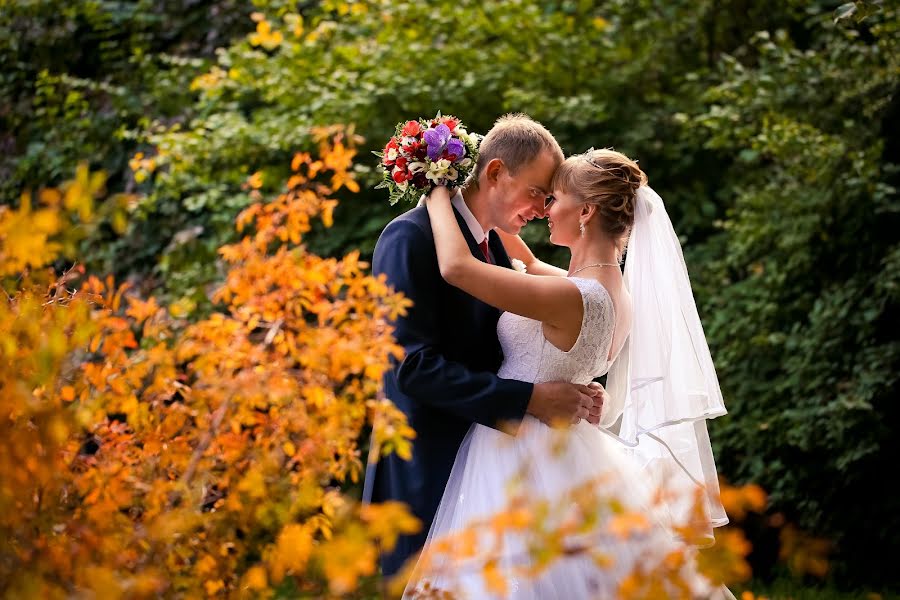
pixel 426 153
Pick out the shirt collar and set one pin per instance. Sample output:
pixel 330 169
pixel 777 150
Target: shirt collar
pixel 474 226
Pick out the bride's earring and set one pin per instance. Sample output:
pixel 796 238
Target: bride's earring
pixel 581 229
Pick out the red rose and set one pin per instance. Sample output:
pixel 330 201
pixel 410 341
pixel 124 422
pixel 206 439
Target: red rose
pixel 451 123
pixel 411 128
pixel 400 176
pixel 401 163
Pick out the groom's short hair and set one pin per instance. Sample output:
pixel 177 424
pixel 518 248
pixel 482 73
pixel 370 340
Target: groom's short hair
pixel 516 139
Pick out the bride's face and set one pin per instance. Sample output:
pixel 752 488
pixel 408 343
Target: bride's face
pixel 563 214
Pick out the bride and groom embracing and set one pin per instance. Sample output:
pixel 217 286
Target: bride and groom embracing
pixel 499 364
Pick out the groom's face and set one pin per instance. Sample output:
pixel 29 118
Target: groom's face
pixel 520 196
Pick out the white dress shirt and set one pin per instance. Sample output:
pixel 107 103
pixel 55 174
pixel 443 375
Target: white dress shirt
pixel 474 226
pixel 460 204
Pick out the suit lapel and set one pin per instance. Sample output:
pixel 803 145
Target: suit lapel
pixel 497 249
pixel 467 233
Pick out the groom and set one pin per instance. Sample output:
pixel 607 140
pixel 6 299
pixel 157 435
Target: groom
pixel 447 380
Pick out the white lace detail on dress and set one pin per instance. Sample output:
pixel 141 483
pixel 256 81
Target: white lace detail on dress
pixel 528 356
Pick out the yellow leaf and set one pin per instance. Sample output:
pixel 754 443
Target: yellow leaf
pixel 316 396
pixel 292 551
pixel 254 484
pixel 626 524
pixel 59 431
pixel 119 221
pixel 389 520
pixel 213 587
pixel 255 579
pixel 104 582
pixel 327 212
pixel 206 566
pixel 50 197
pixel 265 37
pixel 346 558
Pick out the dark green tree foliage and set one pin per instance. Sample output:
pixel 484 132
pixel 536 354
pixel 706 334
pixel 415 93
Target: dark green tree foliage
pixel 799 286
pixel 77 77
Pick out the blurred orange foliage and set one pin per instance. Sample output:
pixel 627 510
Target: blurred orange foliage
pixel 587 520
pixel 144 455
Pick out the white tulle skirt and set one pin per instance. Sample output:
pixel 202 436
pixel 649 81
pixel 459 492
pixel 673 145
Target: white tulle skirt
pixel 542 465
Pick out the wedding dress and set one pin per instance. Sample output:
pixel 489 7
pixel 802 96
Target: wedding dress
pixel 546 463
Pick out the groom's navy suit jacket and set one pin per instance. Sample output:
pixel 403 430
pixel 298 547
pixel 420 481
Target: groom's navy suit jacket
pixel 447 379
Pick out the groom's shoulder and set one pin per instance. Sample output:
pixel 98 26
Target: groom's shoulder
pixel 413 222
pixel 407 235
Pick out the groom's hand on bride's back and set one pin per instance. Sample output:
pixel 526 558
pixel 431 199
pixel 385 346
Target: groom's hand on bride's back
pixel 599 397
pixel 559 404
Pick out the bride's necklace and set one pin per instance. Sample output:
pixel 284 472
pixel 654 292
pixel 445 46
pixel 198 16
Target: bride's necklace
pixel 593 265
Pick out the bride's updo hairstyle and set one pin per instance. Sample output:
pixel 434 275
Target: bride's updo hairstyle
pixel 606 178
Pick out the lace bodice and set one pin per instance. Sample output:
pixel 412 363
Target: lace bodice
pixel 528 356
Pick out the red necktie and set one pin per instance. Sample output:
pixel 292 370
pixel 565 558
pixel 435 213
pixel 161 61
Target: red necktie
pixel 484 249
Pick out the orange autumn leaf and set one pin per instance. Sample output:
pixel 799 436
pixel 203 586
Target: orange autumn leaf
pixel 256 579
pixel 141 310
pixel 346 558
pixel 738 501
pixel 387 521
pixel 803 553
pixel 725 562
pixel 494 580
pixel 292 551
pixel 255 181
pixel 627 524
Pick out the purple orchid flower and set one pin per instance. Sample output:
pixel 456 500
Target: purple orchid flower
pixel 456 147
pixel 437 139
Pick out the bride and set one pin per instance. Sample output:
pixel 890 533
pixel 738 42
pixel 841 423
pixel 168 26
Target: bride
pixel 575 325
